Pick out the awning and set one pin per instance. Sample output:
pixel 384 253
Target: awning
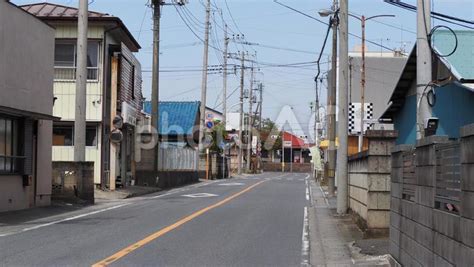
pixel 27 114
pixel 325 143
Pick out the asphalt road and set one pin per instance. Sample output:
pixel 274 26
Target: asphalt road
pixel 254 221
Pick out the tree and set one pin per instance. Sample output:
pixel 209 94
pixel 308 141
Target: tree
pixel 270 135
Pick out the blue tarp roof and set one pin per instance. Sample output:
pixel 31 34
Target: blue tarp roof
pixel 176 118
pixel 462 61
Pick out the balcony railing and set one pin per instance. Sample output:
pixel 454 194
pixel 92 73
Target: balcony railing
pixel 69 73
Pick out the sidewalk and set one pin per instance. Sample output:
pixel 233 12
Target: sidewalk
pixel 336 240
pixel 123 193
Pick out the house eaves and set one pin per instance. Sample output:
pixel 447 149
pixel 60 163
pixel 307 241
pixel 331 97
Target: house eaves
pixel 53 13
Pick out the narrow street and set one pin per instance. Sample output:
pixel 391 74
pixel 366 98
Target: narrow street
pixel 251 221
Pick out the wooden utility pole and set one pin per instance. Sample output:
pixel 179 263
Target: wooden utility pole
pixel 81 83
pixel 362 88
pixel 202 120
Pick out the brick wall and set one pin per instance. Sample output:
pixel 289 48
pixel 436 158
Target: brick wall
pixel 423 231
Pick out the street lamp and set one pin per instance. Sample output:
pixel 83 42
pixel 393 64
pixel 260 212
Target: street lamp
pixel 363 19
pixel 326 12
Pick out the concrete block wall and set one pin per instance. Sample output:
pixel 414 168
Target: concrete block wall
pixel 420 234
pixel 369 182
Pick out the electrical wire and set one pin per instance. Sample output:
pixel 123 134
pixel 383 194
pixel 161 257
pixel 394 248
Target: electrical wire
pixel 324 46
pixel 325 23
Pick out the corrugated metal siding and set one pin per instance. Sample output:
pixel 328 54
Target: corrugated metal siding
pixel 177 159
pixel 176 117
pixel 130 91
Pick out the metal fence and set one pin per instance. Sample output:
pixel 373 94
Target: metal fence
pixel 448 177
pixel 183 159
pixel 409 175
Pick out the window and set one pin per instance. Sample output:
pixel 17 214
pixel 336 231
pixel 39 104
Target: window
pixel 10 160
pixel 65 60
pixel 63 135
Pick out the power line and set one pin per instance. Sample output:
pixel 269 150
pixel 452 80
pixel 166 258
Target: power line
pixel 325 23
pixel 231 17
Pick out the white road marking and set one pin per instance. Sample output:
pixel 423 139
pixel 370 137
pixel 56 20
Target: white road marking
pixel 66 219
pixel 231 184
pixel 324 195
pixel 305 239
pixel 199 195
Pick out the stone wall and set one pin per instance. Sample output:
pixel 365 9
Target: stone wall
pixel 432 210
pixel 369 182
pixel 297 167
pixel 72 180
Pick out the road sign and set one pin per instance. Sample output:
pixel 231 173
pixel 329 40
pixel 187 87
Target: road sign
pixel 209 124
pixel 286 143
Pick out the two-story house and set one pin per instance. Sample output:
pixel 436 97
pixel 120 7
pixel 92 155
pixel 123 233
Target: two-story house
pixel 26 107
pixel 113 88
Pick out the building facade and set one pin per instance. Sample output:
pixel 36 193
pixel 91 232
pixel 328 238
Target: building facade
pixel 26 107
pixel 113 89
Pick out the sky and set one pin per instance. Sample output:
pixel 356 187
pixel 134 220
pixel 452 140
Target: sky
pixel 283 37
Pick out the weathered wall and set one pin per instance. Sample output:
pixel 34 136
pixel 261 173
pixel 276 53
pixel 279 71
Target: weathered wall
pixel 26 70
pixel 432 222
pixel 369 182
pixel 73 180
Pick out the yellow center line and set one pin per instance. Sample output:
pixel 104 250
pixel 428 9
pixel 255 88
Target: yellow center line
pixel 125 251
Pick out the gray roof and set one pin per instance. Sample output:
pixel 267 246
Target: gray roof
pixel 54 13
pixel 54 10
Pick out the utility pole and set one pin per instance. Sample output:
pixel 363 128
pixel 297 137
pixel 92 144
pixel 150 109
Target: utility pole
pixel 259 144
pixel 81 83
pixel 423 65
pixel 362 88
pixel 363 20
pixel 249 120
pixel 202 120
pixel 241 118
pixel 331 114
pixel 343 106
pixel 155 79
pixel 224 94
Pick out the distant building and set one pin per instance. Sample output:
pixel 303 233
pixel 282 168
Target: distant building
pixel 26 108
pixel 382 70
pixel 179 122
pixel 452 100
pixel 113 88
